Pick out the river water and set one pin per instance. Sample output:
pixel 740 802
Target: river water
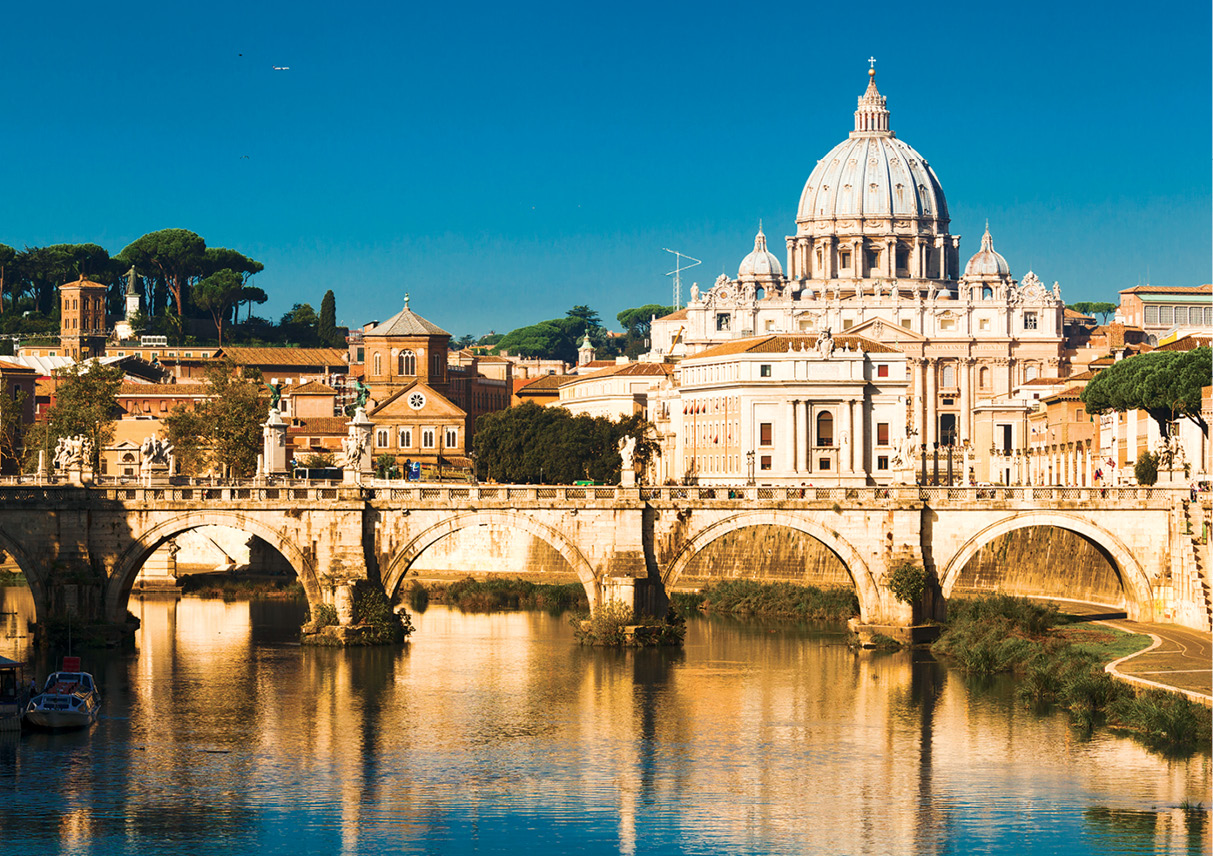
pixel 497 733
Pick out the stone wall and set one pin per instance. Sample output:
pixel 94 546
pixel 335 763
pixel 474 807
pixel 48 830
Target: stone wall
pixel 492 549
pixel 769 554
pixel 1042 561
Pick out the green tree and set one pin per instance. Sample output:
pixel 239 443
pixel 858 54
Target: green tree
pixel 1165 384
pixel 636 326
pixel 549 445
pixel 223 432
pixel 1146 469
pixel 249 295
pixel 326 324
pixel 216 294
pixel 7 256
pixel 1088 307
pixel 175 256
pixel 11 426
pixel 300 324
pixel 86 403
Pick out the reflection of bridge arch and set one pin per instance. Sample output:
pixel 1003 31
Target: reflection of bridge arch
pixel 128 565
pixel 857 568
pixel 399 566
pixel 1133 580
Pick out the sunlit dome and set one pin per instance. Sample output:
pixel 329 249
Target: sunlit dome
pixel 986 262
pixel 760 264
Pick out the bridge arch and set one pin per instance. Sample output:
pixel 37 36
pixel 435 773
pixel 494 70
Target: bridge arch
pixel 865 585
pixel 128 564
pixel 1134 581
pixel 400 563
pixel 37 585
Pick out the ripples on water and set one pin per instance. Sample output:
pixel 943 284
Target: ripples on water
pixel 497 733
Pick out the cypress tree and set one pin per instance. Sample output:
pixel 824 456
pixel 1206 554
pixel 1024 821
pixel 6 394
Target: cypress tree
pixel 327 328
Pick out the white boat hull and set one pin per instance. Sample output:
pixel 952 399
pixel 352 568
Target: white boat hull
pixel 60 719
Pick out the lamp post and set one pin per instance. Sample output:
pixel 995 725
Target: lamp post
pixel 749 463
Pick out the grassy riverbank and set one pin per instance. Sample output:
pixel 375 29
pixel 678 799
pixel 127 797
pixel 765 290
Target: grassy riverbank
pixel 472 595
pixel 784 600
pixel 229 588
pixel 1061 664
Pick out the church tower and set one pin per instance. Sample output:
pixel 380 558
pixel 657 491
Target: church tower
pixel 82 319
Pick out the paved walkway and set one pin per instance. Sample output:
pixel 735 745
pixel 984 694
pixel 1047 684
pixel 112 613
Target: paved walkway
pixel 1180 659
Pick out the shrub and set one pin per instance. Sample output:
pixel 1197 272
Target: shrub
pixel 781 599
pixel 372 607
pixel 419 597
pixel 907 583
pixel 1146 469
pixel 322 615
pixel 606 625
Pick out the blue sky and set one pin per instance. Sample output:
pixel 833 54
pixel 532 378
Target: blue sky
pixel 504 162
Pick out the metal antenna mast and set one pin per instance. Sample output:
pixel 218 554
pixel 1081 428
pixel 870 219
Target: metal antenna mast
pixel 677 274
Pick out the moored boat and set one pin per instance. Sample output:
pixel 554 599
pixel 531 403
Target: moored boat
pixel 69 699
pixel 13 695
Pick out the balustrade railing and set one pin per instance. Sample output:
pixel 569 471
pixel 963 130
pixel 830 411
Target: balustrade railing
pixel 437 493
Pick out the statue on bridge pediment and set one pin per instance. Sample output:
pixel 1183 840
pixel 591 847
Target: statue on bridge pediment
pixel 353 448
pixel 154 454
pixel 72 452
pixel 905 450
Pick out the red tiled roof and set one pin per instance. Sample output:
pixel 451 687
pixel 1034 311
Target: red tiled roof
pixel 286 356
pixel 1207 288
pixel 778 343
pixel 319 425
pixel 543 383
pixel 310 388
pixel 624 370
pixel 1190 342
pixel 179 390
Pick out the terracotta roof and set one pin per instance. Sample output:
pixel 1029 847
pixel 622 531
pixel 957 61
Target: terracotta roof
pixel 327 425
pixel 1102 361
pixel 286 356
pixel 778 343
pixel 625 370
pixel 1190 342
pixel 5 365
pixel 406 322
pixel 1044 381
pixel 596 364
pixel 310 388
pixel 1074 313
pixel 484 358
pixel 680 315
pixel 1087 375
pixel 545 383
pixel 180 390
pixel 1169 289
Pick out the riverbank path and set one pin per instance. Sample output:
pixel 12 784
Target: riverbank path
pixel 1180 659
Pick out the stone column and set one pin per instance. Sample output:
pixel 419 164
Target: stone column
pixel 791 454
pixel 966 368
pixel 273 445
pixel 801 409
pixel 1090 470
pixel 845 438
pixel 931 404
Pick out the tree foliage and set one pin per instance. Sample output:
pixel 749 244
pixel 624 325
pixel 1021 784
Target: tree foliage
pixel 86 403
pixel 1088 307
pixel 530 444
pixel 636 323
pixel 1145 470
pixel 1165 384
pixel 172 256
pixel 222 433
pixel 558 338
pixel 217 294
pixel 326 324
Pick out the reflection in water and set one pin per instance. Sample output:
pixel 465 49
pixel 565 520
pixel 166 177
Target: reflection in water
pixel 491 733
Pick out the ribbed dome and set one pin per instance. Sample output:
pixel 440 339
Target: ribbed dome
pixel 872 174
pixel 985 261
pixel 760 264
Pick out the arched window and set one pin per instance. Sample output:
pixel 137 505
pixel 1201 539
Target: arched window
pixel 1031 372
pixel 378 363
pixel 903 260
pixel 987 293
pixel 948 378
pixel 406 363
pixel 983 378
pixel 825 429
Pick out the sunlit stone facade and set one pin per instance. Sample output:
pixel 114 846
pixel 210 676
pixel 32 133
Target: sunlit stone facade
pixel 873 256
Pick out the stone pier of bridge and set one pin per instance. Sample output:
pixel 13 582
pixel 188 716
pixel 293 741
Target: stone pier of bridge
pixel 82 548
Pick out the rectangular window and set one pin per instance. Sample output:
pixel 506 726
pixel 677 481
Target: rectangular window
pixel 1151 314
pixel 1078 414
pixel 847 323
pixel 823 464
pixel 882 462
pixel 427 438
pixel 765 434
pixel 764 370
pixel 1181 315
pixel 882 370
pixel 452 438
pixel 906 322
pixel 947 324
pixel 381 438
pixel 882 433
pixel 983 324
pixel 844 259
pixel 1166 315
pixel 1029 320
pixel 764 463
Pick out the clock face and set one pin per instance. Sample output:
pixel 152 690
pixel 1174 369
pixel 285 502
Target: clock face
pixel 417 400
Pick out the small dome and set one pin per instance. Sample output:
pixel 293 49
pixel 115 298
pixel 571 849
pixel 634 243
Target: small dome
pixel 987 262
pixel 760 264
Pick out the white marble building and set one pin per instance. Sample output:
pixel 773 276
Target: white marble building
pixel 872 256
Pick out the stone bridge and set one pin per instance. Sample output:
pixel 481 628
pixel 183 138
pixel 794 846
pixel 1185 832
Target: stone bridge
pixel 82 548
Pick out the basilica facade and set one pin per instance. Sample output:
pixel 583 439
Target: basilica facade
pixel 873 259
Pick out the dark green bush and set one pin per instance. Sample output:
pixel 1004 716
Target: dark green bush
pixel 780 599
